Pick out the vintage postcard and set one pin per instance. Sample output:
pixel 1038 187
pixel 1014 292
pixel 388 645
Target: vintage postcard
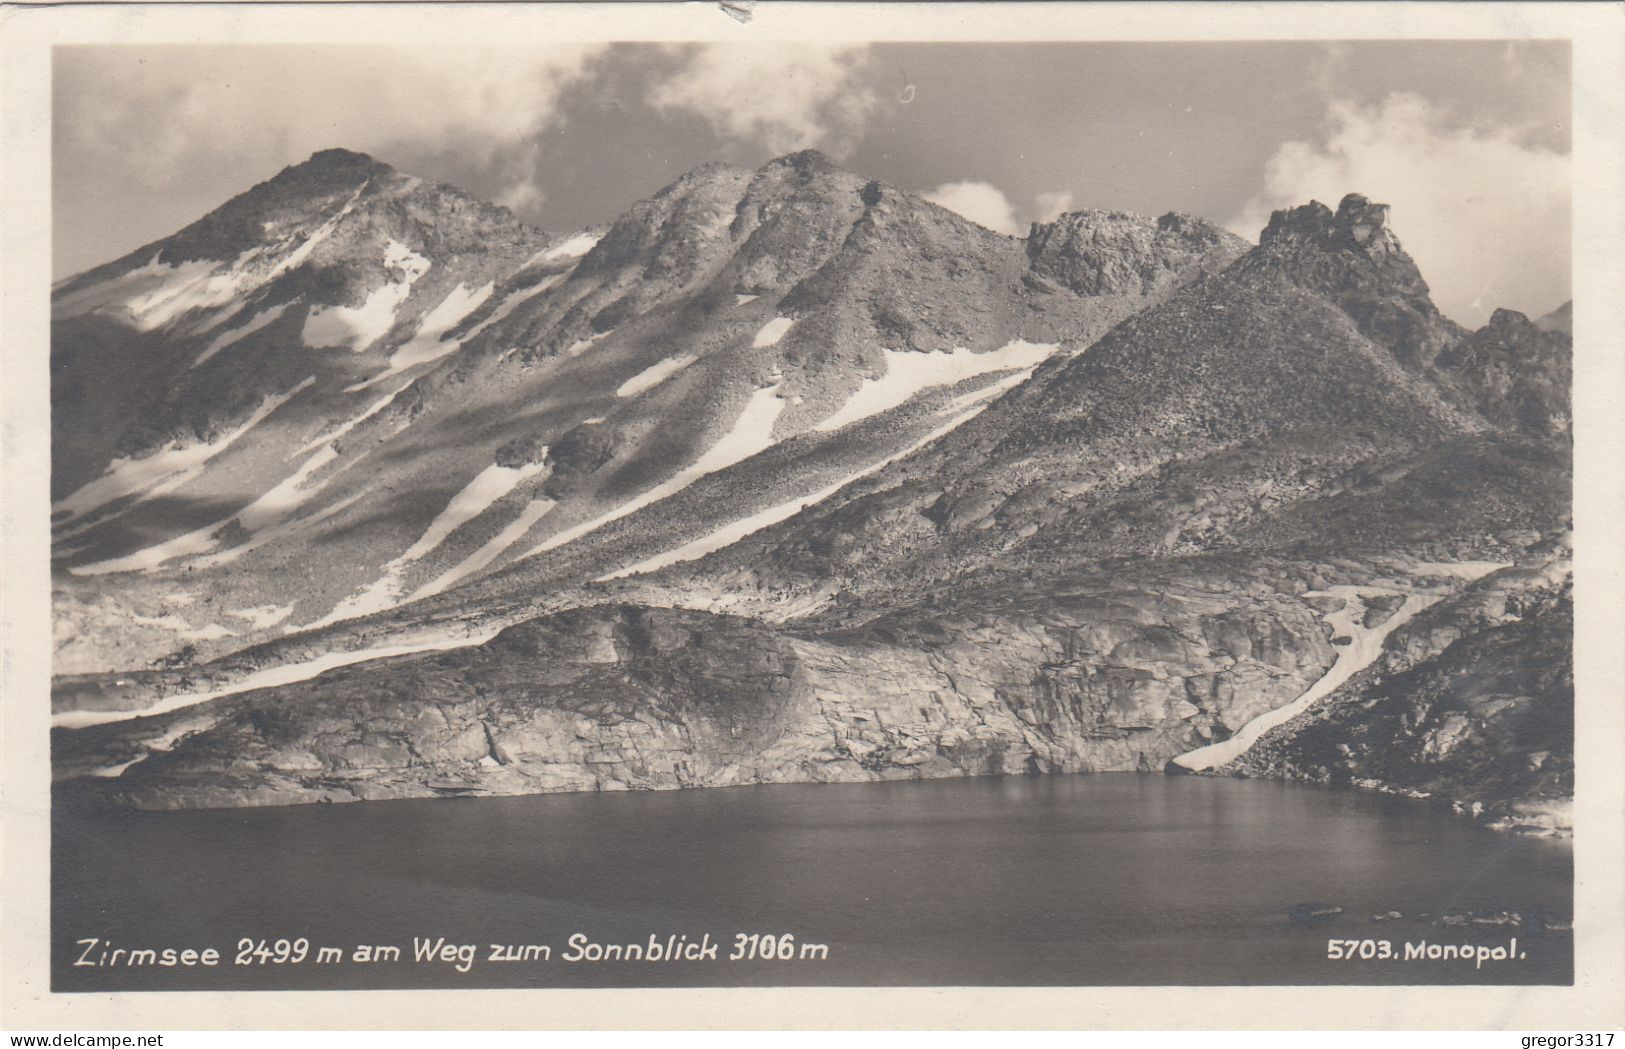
pixel 772 512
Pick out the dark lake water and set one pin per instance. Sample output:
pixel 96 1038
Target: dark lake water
pixel 1057 880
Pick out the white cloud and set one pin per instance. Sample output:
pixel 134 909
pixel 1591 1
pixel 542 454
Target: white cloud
pixel 1485 217
pixel 523 196
pixel 784 97
pixel 981 202
pixel 1052 206
pixel 177 107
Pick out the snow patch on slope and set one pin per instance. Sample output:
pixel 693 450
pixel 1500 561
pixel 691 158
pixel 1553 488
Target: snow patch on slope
pixel 286 497
pixel 155 473
pixel 580 346
pixel 489 485
pixel 429 343
pixel 654 375
pixel 297 257
pixel 908 372
pixel 372 409
pixel 985 393
pixel 745 526
pixel 513 301
pixel 185 630
pixel 494 548
pixel 155 294
pixel 197 541
pixel 270 677
pixel 1468 570
pixel 271 509
pixel 576 246
pixel 277 531
pixel 772 332
pixel 231 335
pixel 358 327
pixel 384 593
pixel 355 327
pixel 1364 647
pixel 750 434
pixel 156 746
pixel 263 617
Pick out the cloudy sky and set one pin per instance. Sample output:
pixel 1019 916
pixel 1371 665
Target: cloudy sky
pixel 1468 141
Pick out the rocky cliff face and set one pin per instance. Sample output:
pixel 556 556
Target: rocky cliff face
pixel 1097 677
pixel 1514 373
pixel 1110 252
pixel 1354 259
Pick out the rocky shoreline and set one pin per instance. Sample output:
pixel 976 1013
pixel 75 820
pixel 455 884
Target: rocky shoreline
pixel 627 697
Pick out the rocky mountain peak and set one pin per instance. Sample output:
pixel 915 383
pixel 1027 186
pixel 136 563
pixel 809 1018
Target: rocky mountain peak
pixel 678 232
pixel 1514 373
pixel 1559 320
pixel 313 182
pixel 1357 225
pixel 1097 252
pixel 1360 221
pixel 1352 257
pixel 805 162
pixel 1511 323
pixel 1195 228
pixel 339 158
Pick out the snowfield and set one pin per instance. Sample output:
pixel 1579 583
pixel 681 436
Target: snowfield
pixel 494 548
pixel 286 674
pixel 654 375
pixel 745 526
pixel 358 327
pixel 226 338
pixel 751 433
pixel 772 332
pixel 384 593
pixel 429 343
pixel 909 372
pixel 576 246
pixel 1366 645
pixel 165 469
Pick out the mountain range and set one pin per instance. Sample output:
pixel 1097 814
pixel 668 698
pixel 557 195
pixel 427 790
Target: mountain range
pixel 364 489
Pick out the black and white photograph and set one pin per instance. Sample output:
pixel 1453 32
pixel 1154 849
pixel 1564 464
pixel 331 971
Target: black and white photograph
pixel 751 512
